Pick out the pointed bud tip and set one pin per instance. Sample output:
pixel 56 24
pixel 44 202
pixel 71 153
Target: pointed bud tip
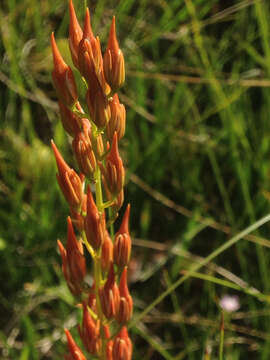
pixel 55 150
pixel 68 335
pixel 87 28
pixel 125 221
pixel 71 8
pixel 58 60
pixel 116 98
pixel 61 248
pixel 113 29
pixel 113 43
pixel 123 282
pixel 70 226
pixel 73 18
pixel 123 332
pixel 61 164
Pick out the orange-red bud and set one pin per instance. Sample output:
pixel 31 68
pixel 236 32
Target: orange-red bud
pixel 73 261
pixel 63 78
pixel 98 105
pixel 70 121
pixel 118 119
pixel 122 346
pixel 97 143
pixel 126 303
pixel 76 217
pixel 84 58
pixel 69 181
pixel 75 352
pixel 114 64
pixel 90 332
pixel 90 60
pixel 84 153
pixel 93 223
pixel 122 243
pixel 92 301
pixel 109 296
pixel 106 252
pixel 75 34
pixel 114 172
pixel 109 343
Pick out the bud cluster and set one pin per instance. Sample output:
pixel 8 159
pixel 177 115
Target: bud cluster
pixel 96 193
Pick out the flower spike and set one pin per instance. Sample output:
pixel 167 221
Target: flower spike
pixel 105 301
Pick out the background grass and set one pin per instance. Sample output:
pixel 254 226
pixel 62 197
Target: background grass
pixel 197 155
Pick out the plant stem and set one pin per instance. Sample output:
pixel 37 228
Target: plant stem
pixel 97 263
pixel 221 341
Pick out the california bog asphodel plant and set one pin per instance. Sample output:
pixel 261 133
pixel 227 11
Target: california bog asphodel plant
pixel 95 193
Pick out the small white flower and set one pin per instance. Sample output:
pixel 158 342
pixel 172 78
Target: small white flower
pixel 229 303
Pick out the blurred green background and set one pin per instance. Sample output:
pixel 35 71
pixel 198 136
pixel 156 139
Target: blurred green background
pixel 197 154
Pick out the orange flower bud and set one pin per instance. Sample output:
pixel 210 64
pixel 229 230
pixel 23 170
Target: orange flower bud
pixel 63 78
pixel 114 64
pixel 98 105
pixel 93 223
pixel 90 332
pixel 92 301
pixel 70 121
pixel 98 146
pixel 73 261
pixel 75 352
pixel 114 173
pixel 122 243
pixel 90 57
pixel 109 343
pixel 84 59
pixel 118 119
pixel 122 346
pixel 75 34
pixel 69 181
pixel 106 252
pixel 84 153
pixel 126 303
pixel 109 296
pixel 76 217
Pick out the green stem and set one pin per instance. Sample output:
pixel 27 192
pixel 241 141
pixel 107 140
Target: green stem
pixel 97 263
pixel 99 199
pixel 111 224
pixel 221 342
pixel 107 204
